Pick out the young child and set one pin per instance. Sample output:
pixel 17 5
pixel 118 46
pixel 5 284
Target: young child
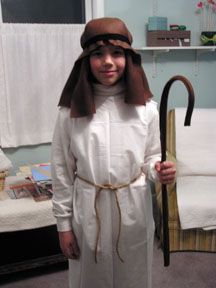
pixel 105 147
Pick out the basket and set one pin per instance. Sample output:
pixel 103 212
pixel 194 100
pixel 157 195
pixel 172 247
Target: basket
pixel 168 38
pixel 208 38
pixel 2 179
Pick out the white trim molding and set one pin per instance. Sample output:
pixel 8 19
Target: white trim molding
pixel 0 13
pixel 94 9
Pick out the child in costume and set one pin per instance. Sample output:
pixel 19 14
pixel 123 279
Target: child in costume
pixel 105 148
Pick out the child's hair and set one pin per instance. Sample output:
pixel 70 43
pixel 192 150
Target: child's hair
pixel 78 91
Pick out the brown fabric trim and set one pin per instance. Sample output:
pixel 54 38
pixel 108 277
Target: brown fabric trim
pixel 105 37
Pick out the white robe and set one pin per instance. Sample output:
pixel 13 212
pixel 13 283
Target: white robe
pixel 109 147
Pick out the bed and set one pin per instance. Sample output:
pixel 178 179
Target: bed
pixel 28 234
pixel 187 239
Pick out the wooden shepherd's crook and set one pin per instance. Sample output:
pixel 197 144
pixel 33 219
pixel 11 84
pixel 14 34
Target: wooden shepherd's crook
pixel 163 133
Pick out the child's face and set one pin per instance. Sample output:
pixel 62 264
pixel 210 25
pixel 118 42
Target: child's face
pixel 108 64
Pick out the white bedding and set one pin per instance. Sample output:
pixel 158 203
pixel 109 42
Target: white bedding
pixel 24 213
pixel 196 164
pixel 196 196
pixel 195 144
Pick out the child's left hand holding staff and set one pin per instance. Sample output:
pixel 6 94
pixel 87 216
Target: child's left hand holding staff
pixel 166 171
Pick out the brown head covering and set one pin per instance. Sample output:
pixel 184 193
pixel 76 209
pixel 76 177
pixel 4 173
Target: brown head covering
pixel 78 92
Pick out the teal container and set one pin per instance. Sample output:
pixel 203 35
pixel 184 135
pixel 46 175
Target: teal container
pixel 157 23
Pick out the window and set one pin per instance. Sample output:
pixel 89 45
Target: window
pixel 50 11
pixel 35 61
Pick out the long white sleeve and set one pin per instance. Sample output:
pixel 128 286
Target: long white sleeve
pixel 63 169
pixel 153 150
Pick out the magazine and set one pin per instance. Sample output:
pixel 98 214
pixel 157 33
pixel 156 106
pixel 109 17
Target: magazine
pixel 34 182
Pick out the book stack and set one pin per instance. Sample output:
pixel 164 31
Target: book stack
pixel 31 181
pixel 41 178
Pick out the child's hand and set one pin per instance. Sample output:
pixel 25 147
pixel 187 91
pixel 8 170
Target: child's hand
pixel 68 244
pixel 166 172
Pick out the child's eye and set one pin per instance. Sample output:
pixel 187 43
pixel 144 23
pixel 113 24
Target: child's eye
pixel 96 53
pixel 118 52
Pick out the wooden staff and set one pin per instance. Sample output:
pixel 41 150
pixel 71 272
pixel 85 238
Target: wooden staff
pixel 163 133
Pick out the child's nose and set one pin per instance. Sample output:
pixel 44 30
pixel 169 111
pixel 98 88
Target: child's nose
pixel 108 59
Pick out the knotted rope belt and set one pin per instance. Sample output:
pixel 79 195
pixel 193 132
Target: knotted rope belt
pixel 114 189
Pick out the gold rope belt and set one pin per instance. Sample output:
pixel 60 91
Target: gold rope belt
pixel 113 188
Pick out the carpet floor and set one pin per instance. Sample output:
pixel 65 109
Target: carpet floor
pixel 187 270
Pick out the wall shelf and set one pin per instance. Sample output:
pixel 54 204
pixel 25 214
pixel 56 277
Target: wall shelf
pixel 156 51
pixel 169 48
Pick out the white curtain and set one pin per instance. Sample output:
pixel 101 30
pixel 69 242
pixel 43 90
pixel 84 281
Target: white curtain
pixel 35 62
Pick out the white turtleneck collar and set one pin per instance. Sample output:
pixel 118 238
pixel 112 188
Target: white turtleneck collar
pixel 109 91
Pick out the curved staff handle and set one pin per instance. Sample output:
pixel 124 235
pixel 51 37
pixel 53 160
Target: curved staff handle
pixel 163 133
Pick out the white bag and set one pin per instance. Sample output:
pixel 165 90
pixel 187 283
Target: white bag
pixel 5 163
